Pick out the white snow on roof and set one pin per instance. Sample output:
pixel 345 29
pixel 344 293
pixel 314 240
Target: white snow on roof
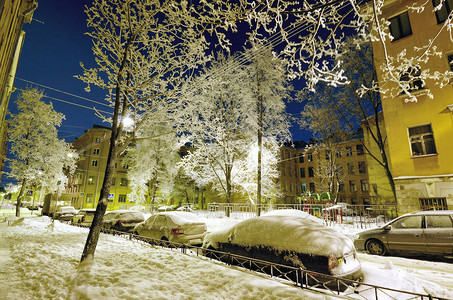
pixel 182 217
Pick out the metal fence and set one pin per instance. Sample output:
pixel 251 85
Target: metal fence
pixel 362 216
pixel 299 277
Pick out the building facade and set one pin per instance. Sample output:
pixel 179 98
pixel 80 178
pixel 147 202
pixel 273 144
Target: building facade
pixel 85 186
pixel 304 170
pixel 13 14
pixel 420 134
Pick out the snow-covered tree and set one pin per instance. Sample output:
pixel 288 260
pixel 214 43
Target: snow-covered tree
pixel 144 50
pixel 329 131
pixel 39 157
pixel 152 162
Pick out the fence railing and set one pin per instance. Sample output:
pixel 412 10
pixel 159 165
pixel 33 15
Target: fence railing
pixel 362 216
pixel 299 277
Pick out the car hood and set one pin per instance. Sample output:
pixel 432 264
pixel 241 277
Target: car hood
pixel 371 231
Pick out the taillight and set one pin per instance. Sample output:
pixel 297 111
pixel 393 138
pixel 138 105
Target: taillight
pixel 333 262
pixel 178 231
pixel 205 228
pixel 83 219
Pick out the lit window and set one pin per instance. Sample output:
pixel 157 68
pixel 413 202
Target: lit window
pixel 364 185
pixel 309 156
pixel 123 182
pixel 122 198
pixel 303 187
pixel 89 198
pixel 352 186
pixel 91 180
pixel 442 14
pixel 422 140
pixel 400 26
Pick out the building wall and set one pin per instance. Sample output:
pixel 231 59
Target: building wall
pixel 416 175
pixel 380 189
pixel 13 14
pixel 85 186
pixel 294 182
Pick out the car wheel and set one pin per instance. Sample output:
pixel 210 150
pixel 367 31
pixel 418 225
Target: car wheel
pixel 375 247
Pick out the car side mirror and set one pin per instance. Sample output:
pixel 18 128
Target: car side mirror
pixel 388 227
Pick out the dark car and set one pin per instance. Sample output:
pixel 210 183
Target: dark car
pixel 65 213
pixel 122 220
pixel 423 232
pixel 84 216
pixel 291 240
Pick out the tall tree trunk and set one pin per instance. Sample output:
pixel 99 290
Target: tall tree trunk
pixel 19 198
pixel 228 186
pixel 260 143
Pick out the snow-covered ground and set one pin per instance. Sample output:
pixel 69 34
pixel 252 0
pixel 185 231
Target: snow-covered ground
pixel 41 262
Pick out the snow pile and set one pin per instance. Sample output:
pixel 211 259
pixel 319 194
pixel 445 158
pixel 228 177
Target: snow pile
pixel 283 232
pixel 43 265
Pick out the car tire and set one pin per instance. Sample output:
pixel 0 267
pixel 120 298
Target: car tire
pixel 375 247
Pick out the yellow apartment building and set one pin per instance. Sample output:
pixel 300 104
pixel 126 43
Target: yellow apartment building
pixel 420 134
pixel 13 14
pixel 380 188
pixel 298 172
pixel 85 186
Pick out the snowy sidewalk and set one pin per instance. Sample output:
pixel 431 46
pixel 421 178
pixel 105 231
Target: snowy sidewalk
pixel 4 246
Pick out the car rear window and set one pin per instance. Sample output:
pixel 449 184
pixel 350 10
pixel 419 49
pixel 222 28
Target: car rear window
pixel 438 222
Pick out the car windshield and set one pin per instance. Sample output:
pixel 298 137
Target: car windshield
pixel 130 216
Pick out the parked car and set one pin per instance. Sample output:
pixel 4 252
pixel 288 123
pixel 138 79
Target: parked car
pixel 174 226
pixel 184 208
pixel 32 206
pixel 122 220
pixel 84 216
pixel 291 240
pixel 164 208
pixel 423 232
pixel 65 213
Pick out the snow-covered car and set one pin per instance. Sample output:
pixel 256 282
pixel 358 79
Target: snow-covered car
pixel 65 213
pixel 184 208
pixel 291 240
pixel 122 220
pixel 84 216
pixel 164 208
pixel 423 232
pixel 174 226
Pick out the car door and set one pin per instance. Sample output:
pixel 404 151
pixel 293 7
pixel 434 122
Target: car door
pixel 146 228
pixel 439 234
pixel 406 235
pixel 159 227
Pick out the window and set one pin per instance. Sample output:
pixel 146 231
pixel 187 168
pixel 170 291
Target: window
pixel 338 153
pixel 341 187
pixel 411 79
pixel 301 157
pixel 450 60
pixel 303 187
pixel 90 180
pixel 309 156
pixel 295 172
pixel 89 198
pixel 352 186
pixel 350 168
pixel 400 26
pixel 311 172
pixel 113 181
pixel 442 14
pixel 364 185
pixel 422 140
pixel 408 222
pixel 438 222
pixel 94 163
pixel 284 170
pixel 123 182
pixel 302 172
pixel 359 149
pixel 122 198
pixel 348 151
pixel 312 187
pixel 362 167
pixel 98 140
pixel 433 203
pixel 328 154
pixel 339 169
